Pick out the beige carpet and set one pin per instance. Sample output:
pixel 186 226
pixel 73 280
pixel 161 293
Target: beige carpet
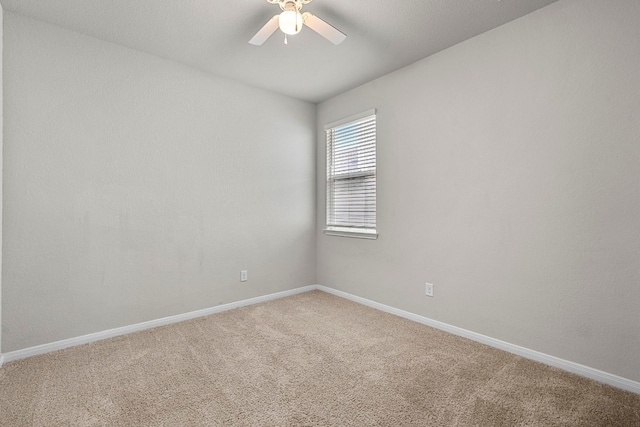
pixel 308 360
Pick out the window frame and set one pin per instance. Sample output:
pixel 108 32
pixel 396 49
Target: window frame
pixel 349 231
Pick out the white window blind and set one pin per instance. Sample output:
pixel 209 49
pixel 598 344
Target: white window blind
pixel 351 173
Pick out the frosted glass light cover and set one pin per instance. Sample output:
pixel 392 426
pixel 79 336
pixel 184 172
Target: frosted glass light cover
pixel 290 22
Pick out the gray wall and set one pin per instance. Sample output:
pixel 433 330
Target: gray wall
pixel 137 188
pixel 508 175
pixel 1 151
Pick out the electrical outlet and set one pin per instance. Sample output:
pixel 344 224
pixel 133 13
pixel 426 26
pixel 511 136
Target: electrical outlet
pixel 429 289
pixel 244 276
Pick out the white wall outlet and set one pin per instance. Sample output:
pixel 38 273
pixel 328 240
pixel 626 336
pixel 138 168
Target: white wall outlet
pixel 429 289
pixel 244 276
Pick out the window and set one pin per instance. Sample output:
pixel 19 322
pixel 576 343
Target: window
pixel 351 176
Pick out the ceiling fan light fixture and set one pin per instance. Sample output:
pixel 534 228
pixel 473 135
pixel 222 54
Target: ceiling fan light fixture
pixel 290 22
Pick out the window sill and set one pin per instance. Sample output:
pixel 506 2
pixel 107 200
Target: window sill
pixel 357 233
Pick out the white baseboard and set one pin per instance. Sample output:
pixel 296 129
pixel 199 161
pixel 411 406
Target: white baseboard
pixel 576 368
pixel 110 333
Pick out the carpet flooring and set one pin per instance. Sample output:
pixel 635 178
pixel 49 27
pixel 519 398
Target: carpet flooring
pixel 308 360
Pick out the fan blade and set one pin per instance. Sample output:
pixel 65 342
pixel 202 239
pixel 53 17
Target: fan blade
pixel 326 30
pixel 265 32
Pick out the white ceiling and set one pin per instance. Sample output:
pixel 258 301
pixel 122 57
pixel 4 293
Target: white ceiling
pixel 213 35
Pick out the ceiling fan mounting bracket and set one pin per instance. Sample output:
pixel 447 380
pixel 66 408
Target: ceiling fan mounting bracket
pixel 284 4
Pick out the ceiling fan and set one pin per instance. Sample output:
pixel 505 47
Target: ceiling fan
pixel 291 20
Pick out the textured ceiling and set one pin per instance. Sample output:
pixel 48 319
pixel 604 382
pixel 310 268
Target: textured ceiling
pixel 213 35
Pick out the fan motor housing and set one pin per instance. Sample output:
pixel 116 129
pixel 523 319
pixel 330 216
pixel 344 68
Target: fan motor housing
pixel 290 4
